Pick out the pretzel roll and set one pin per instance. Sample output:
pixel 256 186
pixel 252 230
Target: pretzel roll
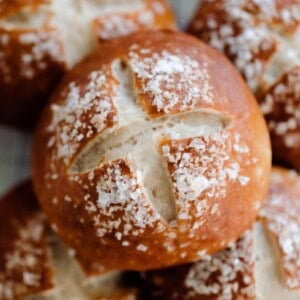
pixel 263 264
pixel 262 39
pixel 41 39
pixel 149 155
pixel 34 264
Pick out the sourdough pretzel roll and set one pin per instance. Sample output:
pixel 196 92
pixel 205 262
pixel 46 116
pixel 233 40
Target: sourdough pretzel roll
pixel 40 39
pixel 34 264
pixel 262 40
pixel 263 264
pixel 149 156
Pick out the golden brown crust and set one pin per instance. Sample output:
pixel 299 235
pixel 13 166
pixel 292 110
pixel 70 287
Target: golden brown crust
pixel 33 57
pixel 26 64
pixel 280 106
pixel 230 27
pixel 32 62
pixel 261 39
pixel 24 265
pixel 113 213
pixel 11 7
pixel 163 15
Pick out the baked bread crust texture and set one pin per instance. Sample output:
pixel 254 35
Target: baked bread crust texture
pixel 147 152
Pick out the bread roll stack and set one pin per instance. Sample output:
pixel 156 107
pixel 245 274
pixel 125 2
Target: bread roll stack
pixel 151 153
pixel 262 39
pixel 41 39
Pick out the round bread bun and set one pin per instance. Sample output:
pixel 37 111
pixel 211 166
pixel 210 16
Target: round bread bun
pixel 41 39
pixel 34 264
pixel 263 264
pixel 150 156
pixel 262 39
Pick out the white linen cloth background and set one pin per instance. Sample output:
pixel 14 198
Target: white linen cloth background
pixel 15 146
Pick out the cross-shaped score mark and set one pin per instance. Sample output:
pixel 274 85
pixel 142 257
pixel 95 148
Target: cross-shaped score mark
pixel 138 138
